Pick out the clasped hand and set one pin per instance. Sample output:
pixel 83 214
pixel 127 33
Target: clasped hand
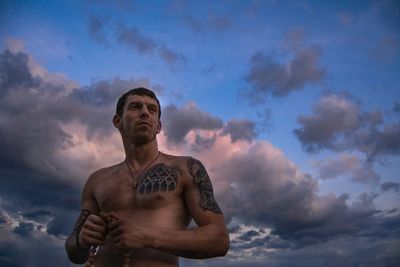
pixel 122 231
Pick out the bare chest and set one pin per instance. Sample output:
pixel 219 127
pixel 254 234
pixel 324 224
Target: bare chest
pixel 157 188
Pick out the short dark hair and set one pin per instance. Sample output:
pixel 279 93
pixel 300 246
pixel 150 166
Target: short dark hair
pixel 136 91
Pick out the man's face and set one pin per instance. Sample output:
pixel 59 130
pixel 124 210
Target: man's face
pixel 139 120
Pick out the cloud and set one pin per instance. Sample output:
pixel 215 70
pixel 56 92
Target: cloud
pixel 269 77
pixel 132 38
pixel 240 130
pixel 387 186
pixel 344 164
pixel 97 28
pixel 178 122
pixel 14 72
pixel 255 183
pixel 47 126
pixel 338 123
pixel 171 57
pixel 54 134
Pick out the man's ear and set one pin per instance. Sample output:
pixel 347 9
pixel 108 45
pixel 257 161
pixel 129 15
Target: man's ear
pixel 117 121
pixel 159 127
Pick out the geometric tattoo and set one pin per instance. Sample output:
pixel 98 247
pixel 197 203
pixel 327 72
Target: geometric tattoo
pixel 160 178
pixel 203 182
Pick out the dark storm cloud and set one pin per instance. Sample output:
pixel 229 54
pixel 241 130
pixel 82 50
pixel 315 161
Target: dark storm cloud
pixel 35 249
pixel 14 72
pixel 240 130
pixel 338 123
pixel 24 228
pixel 39 189
pixel 269 77
pixel 178 122
pixel 387 186
pixel 286 201
pixel 249 235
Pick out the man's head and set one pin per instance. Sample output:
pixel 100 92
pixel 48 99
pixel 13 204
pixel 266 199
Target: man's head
pixel 136 91
pixel 138 115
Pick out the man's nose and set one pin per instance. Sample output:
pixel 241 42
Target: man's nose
pixel 144 112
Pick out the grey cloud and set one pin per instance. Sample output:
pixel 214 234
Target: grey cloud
pixel 396 107
pixel 37 186
pixel 387 186
pixel 358 170
pixel 202 143
pixel 62 223
pixel 240 130
pixel 268 77
pixel 171 57
pixel 132 38
pixel 249 235
pixel 96 28
pixel 35 249
pixel 376 142
pixel 178 122
pixel 286 201
pixel 332 114
pixel 338 123
pixel 14 72
pixel 24 228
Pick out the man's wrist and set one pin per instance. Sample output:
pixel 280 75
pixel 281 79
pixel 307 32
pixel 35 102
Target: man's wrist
pixel 149 237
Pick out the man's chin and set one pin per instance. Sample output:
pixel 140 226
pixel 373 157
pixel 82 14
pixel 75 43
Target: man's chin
pixel 143 139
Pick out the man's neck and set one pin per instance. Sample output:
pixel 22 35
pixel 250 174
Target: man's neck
pixel 139 155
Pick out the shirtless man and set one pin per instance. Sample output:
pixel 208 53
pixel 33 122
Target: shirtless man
pixel 137 212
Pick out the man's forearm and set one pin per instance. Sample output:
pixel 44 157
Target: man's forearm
pixel 76 254
pixel 199 243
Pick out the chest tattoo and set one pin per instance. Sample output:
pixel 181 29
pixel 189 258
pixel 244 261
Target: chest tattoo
pixel 203 182
pixel 159 178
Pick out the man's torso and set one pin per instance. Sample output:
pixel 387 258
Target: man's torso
pixel 157 201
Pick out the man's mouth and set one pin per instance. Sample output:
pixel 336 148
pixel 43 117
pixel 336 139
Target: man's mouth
pixel 144 123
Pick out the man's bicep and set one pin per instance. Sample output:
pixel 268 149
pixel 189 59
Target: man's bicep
pixel 88 199
pixel 199 194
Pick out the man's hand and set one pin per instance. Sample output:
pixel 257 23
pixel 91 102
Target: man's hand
pixel 125 234
pixel 93 232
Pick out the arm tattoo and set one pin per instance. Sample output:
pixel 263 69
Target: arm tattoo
pixel 81 220
pixel 75 253
pixel 203 182
pixel 73 238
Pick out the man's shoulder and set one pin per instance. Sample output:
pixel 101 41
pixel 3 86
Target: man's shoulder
pixel 176 159
pixel 105 172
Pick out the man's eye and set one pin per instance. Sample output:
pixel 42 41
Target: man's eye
pixel 135 106
pixel 152 109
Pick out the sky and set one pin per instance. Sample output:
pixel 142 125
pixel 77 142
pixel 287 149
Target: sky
pixel 292 106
